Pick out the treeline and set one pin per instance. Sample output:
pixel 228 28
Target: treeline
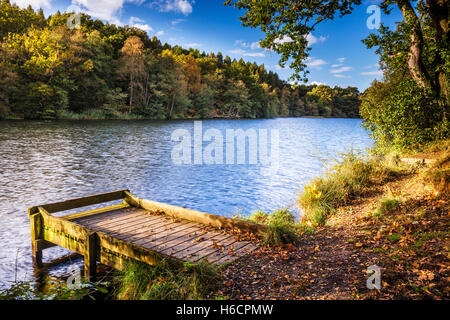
pixel 48 71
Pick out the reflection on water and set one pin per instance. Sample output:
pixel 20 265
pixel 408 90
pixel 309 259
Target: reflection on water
pixel 43 162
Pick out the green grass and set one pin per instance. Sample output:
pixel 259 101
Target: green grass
pixel 385 206
pixel 281 227
pixel 165 281
pixel 348 179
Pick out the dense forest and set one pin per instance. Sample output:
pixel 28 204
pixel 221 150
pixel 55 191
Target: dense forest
pixel 50 71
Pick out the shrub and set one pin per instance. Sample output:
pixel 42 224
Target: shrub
pixel 280 233
pixel 400 115
pixel 342 183
pixel 280 226
pixel 165 281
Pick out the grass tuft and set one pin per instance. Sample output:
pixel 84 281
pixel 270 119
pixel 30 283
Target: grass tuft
pixel 342 183
pixel 280 227
pixel 385 206
pixel 164 281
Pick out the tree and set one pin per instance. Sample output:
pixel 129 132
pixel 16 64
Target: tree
pixel 288 23
pixel 204 101
pixel 132 65
pixel 237 103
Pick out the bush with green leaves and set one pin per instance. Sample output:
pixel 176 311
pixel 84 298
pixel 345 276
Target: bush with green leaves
pixel 400 115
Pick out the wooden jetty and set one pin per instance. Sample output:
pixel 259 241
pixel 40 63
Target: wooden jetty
pixel 137 229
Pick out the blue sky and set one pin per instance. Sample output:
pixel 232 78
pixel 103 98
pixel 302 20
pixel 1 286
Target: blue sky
pixel 338 57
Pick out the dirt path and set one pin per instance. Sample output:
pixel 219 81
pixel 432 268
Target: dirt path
pixel 332 263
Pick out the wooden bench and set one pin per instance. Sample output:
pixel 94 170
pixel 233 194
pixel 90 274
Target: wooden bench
pixel 138 229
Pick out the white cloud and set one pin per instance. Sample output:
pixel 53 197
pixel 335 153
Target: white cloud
pixel 181 6
pixel 102 9
pixel 372 73
pixel 108 10
pixel 341 59
pixel 242 43
pixel 159 33
pixel 193 45
pixel 337 65
pixel 314 63
pixel 177 21
pixel 139 23
pixel 283 40
pixel 36 4
pixel 340 76
pixel 255 45
pixel 247 53
pixel 317 83
pixel 144 27
pixel 341 69
pixel 313 40
pixel 134 20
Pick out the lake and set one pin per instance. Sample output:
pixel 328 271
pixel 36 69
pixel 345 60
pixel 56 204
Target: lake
pixel 42 162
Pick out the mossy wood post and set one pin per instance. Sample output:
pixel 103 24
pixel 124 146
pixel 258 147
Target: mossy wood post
pixel 90 257
pixel 36 238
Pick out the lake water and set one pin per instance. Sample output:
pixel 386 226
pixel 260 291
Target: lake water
pixel 42 162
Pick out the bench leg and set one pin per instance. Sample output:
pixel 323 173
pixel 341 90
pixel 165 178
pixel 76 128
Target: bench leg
pixel 36 249
pixel 90 258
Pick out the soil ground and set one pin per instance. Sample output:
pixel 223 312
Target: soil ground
pixel 409 244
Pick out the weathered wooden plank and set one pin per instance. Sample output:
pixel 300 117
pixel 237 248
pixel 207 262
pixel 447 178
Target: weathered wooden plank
pixel 115 252
pixel 161 241
pixel 186 235
pixel 64 233
pixel 152 225
pixel 181 249
pixel 147 238
pixel 208 247
pixel 98 211
pixel 116 220
pixel 136 225
pixel 84 201
pixel 105 215
pixel 145 233
pixel 124 223
pixel 195 216
pixel 240 249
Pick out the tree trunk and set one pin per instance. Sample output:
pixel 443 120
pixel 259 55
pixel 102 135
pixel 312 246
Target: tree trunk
pixel 439 15
pixel 171 107
pixel 439 83
pixel 415 64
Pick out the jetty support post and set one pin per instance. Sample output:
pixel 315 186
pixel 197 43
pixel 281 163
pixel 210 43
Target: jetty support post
pixel 90 257
pixel 36 236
